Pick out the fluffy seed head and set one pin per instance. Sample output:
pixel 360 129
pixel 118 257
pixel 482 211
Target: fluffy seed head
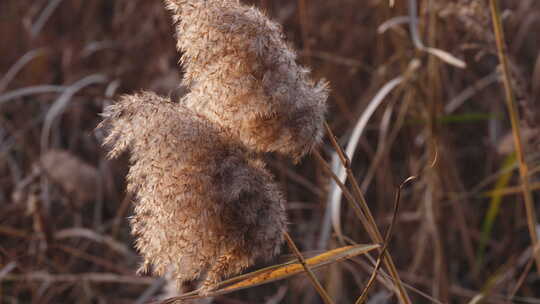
pixel 202 205
pixel 243 76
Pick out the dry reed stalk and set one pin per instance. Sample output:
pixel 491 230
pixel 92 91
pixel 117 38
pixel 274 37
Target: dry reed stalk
pixel 363 296
pixel 203 206
pixel 435 175
pixel 243 76
pixel 350 199
pixel 514 119
pixel 376 236
pixel 334 198
pixel 372 230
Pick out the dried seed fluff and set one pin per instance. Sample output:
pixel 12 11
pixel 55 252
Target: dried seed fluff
pixel 203 208
pixel 243 76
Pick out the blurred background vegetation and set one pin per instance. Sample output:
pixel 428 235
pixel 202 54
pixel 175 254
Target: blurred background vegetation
pixel 461 235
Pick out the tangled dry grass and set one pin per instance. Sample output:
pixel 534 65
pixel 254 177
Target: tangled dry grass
pixel 461 234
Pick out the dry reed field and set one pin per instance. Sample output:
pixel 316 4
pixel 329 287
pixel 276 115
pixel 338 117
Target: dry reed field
pixel 257 151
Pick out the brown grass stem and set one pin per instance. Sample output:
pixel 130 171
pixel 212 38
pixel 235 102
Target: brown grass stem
pixel 514 119
pixel 346 162
pixel 376 236
pixel 363 296
pixel 326 298
pixel 350 199
pixel 523 276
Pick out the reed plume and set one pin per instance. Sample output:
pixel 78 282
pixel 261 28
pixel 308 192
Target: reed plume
pixel 243 76
pixel 203 206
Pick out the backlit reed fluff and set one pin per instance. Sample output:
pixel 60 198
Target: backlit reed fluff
pixel 243 76
pixel 203 207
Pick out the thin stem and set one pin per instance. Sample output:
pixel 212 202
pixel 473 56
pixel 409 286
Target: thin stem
pixel 514 119
pixel 326 298
pixel 356 188
pixel 376 236
pixel 352 203
pixel 363 296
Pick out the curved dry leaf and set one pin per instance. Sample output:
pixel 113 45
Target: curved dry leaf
pixel 446 57
pixel 391 23
pixel 281 271
pixel 333 214
pixel 415 36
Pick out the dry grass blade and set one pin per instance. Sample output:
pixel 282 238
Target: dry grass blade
pixel 96 237
pixel 334 198
pixel 60 104
pixel 7 269
pixel 45 15
pixel 415 35
pixel 462 97
pixel 392 22
pixel 492 283
pixel 18 66
pixel 514 118
pixel 446 57
pixel 523 275
pixel 509 190
pixel 333 214
pixel 34 90
pixel 280 272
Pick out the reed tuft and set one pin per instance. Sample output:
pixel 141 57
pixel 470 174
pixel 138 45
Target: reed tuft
pixel 243 76
pixel 203 206
pixel 206 207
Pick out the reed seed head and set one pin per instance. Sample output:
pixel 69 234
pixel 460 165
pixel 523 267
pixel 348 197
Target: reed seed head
pixel 203 206
pixel 243 76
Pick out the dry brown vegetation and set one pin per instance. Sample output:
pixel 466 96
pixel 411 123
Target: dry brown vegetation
pixel 462 232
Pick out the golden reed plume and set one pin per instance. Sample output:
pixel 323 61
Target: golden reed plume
pixel 202 205
pixel 244 77
pixel 205 206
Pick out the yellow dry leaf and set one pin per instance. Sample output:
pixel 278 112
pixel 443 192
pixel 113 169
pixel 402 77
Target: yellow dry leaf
pixel 282 271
